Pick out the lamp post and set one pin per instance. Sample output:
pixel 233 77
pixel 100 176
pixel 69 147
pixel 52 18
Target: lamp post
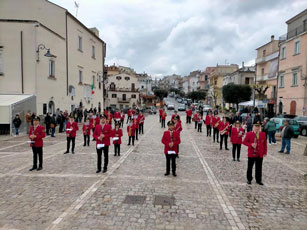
pixel 47 54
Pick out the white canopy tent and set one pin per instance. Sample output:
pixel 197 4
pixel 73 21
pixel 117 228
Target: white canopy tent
pixel 12 104
pixel 258 103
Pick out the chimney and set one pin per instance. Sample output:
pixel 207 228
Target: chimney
pixel 95 31
pixel 272 38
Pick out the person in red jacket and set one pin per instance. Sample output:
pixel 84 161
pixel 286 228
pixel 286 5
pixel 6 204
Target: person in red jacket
pixel 208 122
pixel 122 119
pixel 87 131
pixel 175 115
pixel 199 122
pixel 109 117
pixel 224 131
pixel 160 113
pixel 102 134
pixel 177 128
pixel 257 149
pixel 131 132
pixel 129 114
pixel 215 124
pixel 71 132
pixel 36 135
pixel 141 118
pixel 163 118
pixel 189 113
pixel 195 118
pixel 237 133
pixel 117 116
pixel 117 138
pixel 171 140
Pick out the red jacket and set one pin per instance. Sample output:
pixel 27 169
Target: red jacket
pixel 117 115
pixel 119 134
pixel 160 112
pixel 106 131
pixel 141 119
pixel 178 127
pixel 97 119
pixel 133 112
pixel 122 116
pixel 132 128
pixel 199 119
pixel 208 120
pixel 214 121
pixel 223 126
pixel 39 132
pixel 109 118
pixel 195 117
pixel 87 129
pixel 129 113
pixel 235 138
pixel 136 122
pixel 166 140
pixel 74 127
pixel 189 112
pixel 261 149
pixel 164 115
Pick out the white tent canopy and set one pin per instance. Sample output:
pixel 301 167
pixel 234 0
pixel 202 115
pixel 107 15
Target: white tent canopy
pixel 251 103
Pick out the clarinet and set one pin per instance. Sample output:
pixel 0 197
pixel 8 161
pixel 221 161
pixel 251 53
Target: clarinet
pixel 171 137
pixel 255 142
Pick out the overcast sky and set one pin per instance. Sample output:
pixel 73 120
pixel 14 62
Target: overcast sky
pixel 163 37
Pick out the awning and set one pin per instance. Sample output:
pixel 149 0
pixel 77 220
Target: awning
pixel 10 99
pixel 251 103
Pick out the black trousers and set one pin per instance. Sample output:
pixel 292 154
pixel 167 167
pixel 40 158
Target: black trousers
pixel 47 128
pixel 195 124
pixel 162 123
pixel 236 148
pixel 160 119
pixel 251 161
pixel 86 140
pixel 37 151
pixel 215 134
pixel 169 158
pixel 121 123
pixel 199 127
pixel 71 139
pixel 189 119
pixel 131 138
pixel 209 130
pixel 117 149
pixel 141 128
pixel 61 127
pixel 136 134
pixel 105 150
pixel 225 138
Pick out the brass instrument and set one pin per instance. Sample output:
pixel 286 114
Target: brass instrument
pixel 224 130
pixel 217 124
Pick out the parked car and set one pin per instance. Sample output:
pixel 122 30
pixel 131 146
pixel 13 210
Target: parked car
pixel 206 108
pixel 279 125
pixel 181 107
pixel 303 124
pixel 170 107
pixel 289 116
pixel 179 100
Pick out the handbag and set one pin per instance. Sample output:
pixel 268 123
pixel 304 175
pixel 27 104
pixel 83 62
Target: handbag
pixel 52 125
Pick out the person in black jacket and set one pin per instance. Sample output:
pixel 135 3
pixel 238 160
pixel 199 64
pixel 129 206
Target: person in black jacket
pixel 287 133
pixel 53 124
pixel 17 123
pixel 47 123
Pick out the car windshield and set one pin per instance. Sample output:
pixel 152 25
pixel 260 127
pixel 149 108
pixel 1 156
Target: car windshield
pixel 276 120
pixel 293 122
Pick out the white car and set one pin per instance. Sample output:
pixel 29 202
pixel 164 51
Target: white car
pixel 207 108
pixel 170 107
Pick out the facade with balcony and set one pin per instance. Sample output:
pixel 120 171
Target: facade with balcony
pixel 292 71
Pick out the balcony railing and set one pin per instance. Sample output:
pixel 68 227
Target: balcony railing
pixel 298 30
pixel 122 100
pixel 117 89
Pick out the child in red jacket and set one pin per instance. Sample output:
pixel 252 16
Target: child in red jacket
pixel 131 132
pixel 117 138
pixel 87 131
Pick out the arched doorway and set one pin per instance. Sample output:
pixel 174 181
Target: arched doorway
pixel 293 107
pixel 51 107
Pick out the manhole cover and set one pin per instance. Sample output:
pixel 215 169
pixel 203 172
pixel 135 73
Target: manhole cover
pixel 164 200
pixel 134 199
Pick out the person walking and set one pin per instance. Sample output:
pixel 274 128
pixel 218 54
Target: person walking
pixel 171 140
pixel 199 122
pixel 249 123
pixel 102 134
pixel 17 123
pixel 257 149
pixel 36 135
pixel 71 133
pixel 195 118
pixel 160 114
pixel 53 124
pixel 270 127
pixel 163 118
pixel 224 130
pixel 237 133
pixel 28 121
pixel 47 123
pixel 287 133
pixel 122 119
pixel 141 122
pixel 131 132
pixel 117 138
pixel 86 129
pixel 137 125
pixel 215 124
pixel 177 128
pixel 189 114
pixel 208 123
pixel 129 114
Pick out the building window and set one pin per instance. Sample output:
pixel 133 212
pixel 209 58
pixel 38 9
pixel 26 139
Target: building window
pixel 112 86
pixel 247 81
pixel 281 81
pixel 206 77
pixel 127 78
pixel 113 95
pixel 80 76
pixel 133 96
pixel 44 108
pixel 262 71
pixel 51 68
pixel 79 43
pixel 215 82
pixel 283 52
pixel 93 51
pixel 1 61
pixel 132 86
pixel 118 78
pixel 294 79
pixel 263 53
pixel 297 47
pixel 142 87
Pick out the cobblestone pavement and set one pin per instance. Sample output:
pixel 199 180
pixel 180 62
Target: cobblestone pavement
pixel 209 192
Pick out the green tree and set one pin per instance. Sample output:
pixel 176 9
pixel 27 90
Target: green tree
pixel 236 93
pixel 197 95
pixel 160 93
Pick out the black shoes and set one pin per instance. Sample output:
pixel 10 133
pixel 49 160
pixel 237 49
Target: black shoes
pixel 249 182
pixel 84 145
pixel 104 171
pixel 39 168
pixel 281 151
pixel 260 183
pixel 32 169
pixel 73 152
pixel 98 171
pixel 233 159
pixel 166 174
pixel 238 160
pixel 66 152
pixel 287 152
pixel 174 174
pixel 226 149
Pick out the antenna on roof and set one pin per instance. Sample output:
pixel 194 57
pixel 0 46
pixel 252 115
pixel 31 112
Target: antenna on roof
pixel 77 7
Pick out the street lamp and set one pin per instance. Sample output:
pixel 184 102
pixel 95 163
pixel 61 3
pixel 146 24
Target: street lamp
pixel 47 54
